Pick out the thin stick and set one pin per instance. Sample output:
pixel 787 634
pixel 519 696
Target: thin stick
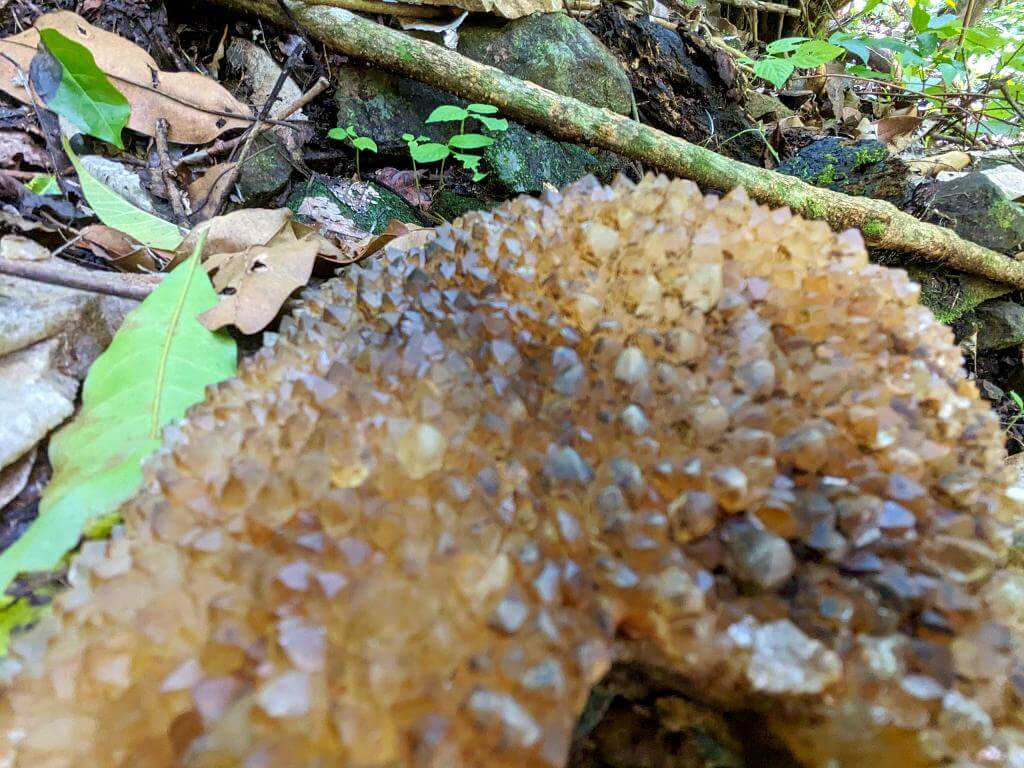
pixel 221 147
pixel 56 272
pixel 167 173
pixel 566 118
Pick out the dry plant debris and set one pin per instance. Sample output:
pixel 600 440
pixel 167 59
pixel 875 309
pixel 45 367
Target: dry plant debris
pixel 468 479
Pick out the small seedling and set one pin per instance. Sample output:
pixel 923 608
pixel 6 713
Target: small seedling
pixel 462 141
pixel 1019 402
pixel 423 150
pixel 43 184
pixel 359 143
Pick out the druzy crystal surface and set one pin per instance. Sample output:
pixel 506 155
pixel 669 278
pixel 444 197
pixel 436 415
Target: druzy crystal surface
pixel 631 425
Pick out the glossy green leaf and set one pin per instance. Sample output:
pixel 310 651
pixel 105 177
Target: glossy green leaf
pixel 858 46
pixel 43 184
pixel 775 71
pixel 482 109
pixel 407 137
pixel 364 143
pixel 428 153
pixel 469 162
pixel 470 141
pixel 447 113
pixel 338 134
pixel 117 213
pixel 158 365
pixel 66 77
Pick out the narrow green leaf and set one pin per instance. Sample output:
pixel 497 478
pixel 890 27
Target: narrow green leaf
pixel 470 141
pixel 116 212
pixel 43 184
pixel 364 143
pixel 482 109
pixel 65 75
pixel 775 71
pixel 158 365
pixel 448 113
pixel 428 153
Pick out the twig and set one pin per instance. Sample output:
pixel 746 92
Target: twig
pixel 763 5
pixel 223 147
pixel 56 272
pixel 167 173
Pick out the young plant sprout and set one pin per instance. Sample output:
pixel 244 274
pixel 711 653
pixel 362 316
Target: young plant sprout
pixel 359 143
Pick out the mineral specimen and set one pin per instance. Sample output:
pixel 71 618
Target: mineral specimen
pixel 632 426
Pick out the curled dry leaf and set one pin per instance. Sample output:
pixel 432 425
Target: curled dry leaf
pixel 197 108
pixel 206 192
pixel 955 160
pixel 404 183
pixel 256 259
pixel 123 252
pixel 897 131
pixel 17 147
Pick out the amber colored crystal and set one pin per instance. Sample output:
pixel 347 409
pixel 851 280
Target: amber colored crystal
pixel 630 424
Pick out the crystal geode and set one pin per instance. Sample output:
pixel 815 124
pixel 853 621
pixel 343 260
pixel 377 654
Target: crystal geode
pixel 633 426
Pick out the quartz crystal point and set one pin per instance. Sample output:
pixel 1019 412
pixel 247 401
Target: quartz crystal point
pixel 629 425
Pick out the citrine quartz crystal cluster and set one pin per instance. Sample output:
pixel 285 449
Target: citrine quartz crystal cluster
pixel 630 425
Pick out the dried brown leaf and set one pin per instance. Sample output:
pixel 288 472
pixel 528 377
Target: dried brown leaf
pixel 18 147
pixel 896 131
pixel 197 108
pixel 123 252
pixel 206 192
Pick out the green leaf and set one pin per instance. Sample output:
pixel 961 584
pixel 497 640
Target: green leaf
pixel 43 184
pixel 478 176
pixel 116 212
pixel 775 71
pixel 407 137
pixel 858 46
pixel 351 131
pixel 364 143
pixel 16 613
pixel 784 45
pixel 158 365
pixel 470 141
pixel 493 123
pixel 861 71
pixel 814 53
pixel 428 153
pixel 338 134
pixel 949 72
pixel 482 109
pixel 469 162
pixel 919 17
pixel 65 75
pixel 448 113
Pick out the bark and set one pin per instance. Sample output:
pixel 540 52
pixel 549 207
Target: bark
pixel 883 225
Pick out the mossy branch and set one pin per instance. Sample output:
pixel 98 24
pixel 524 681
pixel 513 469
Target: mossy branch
pixel 883 225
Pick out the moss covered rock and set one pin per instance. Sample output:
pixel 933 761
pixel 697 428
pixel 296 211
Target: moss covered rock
pixel 552 50
pixel 349 209
pixel 863 168
pixel 976 209
pixel 264 173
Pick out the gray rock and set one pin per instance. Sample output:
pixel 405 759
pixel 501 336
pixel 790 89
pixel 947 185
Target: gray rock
pixel 1000 325
pixel 49 337
pixel 553 50
pixel 348 209
pixel 265 172
pixel 976 209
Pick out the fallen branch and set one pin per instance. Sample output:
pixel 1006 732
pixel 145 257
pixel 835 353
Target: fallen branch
pixel 883 225
pixel 763 5
pixel 58 272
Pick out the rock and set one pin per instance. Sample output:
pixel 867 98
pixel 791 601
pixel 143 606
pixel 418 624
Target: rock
pixel 522 161
pixel 450 205
pixel 976 209
pixel 48 338
pixel 553 50
pixel 863 168
pixel 348 209
pixel 951 295
pixel 265 172
pixel 34 398
pixel 1000 325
